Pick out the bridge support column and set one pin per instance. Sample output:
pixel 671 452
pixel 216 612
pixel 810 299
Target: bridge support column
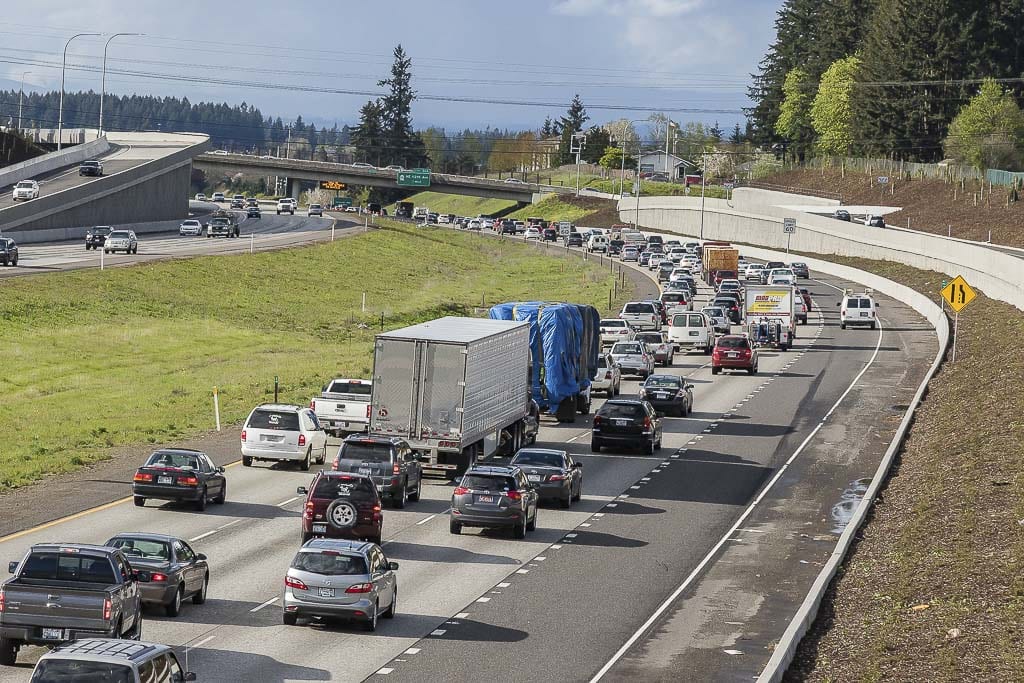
pixel 293 187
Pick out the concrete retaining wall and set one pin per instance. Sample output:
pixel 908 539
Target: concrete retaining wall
pixel 754 220
pixel 27 170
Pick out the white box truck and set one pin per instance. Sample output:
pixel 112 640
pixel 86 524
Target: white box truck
pixel 456 389
pixel 770 315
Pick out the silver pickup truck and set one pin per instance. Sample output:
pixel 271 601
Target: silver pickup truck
pixel 65 592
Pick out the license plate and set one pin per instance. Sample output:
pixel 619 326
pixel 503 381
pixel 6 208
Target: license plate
pixel 326 592
pixel 661 396
pixel 533 477
pixel 864 314
pixel 53 634
pixel 365 470
pixel 694 333
pixel 319 528
pixel 485 499
pixel 339 408
pixel 734 355
pixel 164 480
pixel 621 423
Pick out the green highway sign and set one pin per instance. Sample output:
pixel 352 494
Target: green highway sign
pixel 341 201
pixel 419 177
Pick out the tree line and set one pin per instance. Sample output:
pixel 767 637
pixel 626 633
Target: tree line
pixel 892 78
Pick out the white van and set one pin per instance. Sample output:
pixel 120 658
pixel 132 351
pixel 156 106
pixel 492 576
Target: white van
pixel 597 242
pixel 691 330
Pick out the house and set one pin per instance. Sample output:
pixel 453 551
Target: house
pixel 654 162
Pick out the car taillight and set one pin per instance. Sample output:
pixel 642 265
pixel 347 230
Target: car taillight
pixel 157 577
pixel 108 607
pixel 295 583
pixel 367 411
pixel 395 469
pixel 243 435
pixel 514 495
pixel 302 439
pixel 460 491
pixel 608 374
pixel 143 476
pixel 360 588
pixel 597 420
pixel 188 481
pixel 2 599
pixel 557 477
pixel 308 512
pixel 647 423
pixel 312 405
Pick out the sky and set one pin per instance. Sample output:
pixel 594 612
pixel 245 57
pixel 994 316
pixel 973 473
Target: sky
pixel 524 60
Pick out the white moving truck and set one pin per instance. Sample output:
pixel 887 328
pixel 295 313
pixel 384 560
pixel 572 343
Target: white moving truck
pixel 769 311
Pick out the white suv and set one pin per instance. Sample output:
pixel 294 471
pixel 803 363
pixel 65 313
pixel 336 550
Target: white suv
pixel 283 433
pixel 857 309
pixel 25 190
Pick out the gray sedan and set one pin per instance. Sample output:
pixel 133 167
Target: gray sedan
pixel 176 571
pixel 633 358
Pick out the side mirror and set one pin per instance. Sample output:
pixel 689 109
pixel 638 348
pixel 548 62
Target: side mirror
pixel 220 470
pixel 200 556
pixel 839 303
pixel 392 566
pixel 689 387
pixel 12 566
pixel 577 464
pixel 302 490
pixel 877 305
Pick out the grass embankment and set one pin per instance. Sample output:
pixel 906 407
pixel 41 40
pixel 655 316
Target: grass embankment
pixel 458 204
pixel 95 360
pixel 934 590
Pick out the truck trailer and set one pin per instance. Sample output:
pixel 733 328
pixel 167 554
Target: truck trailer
pixel 770 315
pixel 456 389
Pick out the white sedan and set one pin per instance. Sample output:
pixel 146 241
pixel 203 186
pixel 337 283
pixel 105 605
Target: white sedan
pixel 190 228
pixel 532 234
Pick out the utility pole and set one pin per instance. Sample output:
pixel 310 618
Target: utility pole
pixel 703 176
pixel 579 140
pixel 21 99
pixel 668 131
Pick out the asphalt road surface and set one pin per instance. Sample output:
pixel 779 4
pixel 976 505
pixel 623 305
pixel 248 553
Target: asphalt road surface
pixel 659 573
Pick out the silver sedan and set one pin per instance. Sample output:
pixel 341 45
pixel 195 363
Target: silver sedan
pixel 633 358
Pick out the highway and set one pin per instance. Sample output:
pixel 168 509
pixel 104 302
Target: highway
pixel 664 571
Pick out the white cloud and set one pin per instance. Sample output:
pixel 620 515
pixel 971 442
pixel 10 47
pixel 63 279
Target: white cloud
pixel 627 8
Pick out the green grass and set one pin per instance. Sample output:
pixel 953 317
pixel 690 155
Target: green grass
pixel 648 189
pixel 551 208
pixel 99 360
pixel 458 204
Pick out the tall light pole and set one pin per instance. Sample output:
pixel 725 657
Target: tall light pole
pixel 576 146
pixel 668 132
pixel 103 78
pixel 703 176
pixel 21 98
pixel 63 68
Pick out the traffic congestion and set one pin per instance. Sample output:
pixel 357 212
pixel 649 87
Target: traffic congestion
pixel 482 438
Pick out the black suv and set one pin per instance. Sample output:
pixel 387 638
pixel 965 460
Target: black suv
pixel 508 226
pixel 93 168
pixel 627 423
pixel 389 462
pixel 549 234
pixel 615 246
pixel 574 239
pixel 8 251
pixel 95 237
pixel 340 505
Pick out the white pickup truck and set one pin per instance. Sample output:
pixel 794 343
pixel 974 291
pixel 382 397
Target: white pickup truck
pixel 344 406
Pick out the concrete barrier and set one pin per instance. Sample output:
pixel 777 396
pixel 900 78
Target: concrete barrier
pixel 755 219
pixel 27 170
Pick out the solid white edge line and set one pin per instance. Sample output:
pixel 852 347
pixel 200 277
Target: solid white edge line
pixel 742 518
pixel 202 642
pixel 285 502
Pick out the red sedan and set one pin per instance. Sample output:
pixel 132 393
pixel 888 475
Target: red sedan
pixel 734 352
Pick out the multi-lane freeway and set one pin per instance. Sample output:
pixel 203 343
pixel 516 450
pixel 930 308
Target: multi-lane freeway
pixel 668 569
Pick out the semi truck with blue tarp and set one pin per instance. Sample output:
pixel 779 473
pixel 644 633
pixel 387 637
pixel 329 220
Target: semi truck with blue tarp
pixel 565 341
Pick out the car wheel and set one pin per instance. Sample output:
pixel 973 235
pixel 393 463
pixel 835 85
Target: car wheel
pixel 305 462
pixel 323 456
pixel 842 326
pixel 715 371
pixel 398 499
pixel 246 461
pixel 579 490
pixel 753 370
pixel 595 447
pixel 8 652
pixel 389 613
pixel 415 495
pixel 139 501
pixel 200 597
pixel 520 530
pixel 708 349
pixel 531 524
pixel 201 502
pixel 649 448
pixel 567 501
pixel 222 496
pixel 173 608
pixel 371 622
pixel 289 618
pixel 375 539
pixel 454 527
pixel 872 324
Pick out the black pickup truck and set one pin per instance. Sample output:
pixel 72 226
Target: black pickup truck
pixel 65 592
pixel 95 237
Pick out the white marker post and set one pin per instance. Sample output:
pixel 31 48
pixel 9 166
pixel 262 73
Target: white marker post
pixel 332 230
pixel 364 302
pixel 252 242
pixel 102 252
pixel 216 407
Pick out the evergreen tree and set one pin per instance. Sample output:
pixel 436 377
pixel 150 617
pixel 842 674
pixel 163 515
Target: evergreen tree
pixel 737 135
pixel 368 137
pixel 547 130
pixel 598 140
pixel 569 124
pixel 403 145
pixel 715 133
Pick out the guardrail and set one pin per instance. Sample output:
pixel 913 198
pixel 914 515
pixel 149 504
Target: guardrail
pixel 26 170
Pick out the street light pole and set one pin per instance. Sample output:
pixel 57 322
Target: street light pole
pixel 668 132
pixel 103 78
pixel 21 98
pixel 63 68
pixel 703 176
pixel 636 222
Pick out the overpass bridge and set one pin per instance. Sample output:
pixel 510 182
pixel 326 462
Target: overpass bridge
pixel 299 169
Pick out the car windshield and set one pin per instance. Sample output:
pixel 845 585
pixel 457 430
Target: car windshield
pixel 624 349
pixel 329 563
pixel 621 410
pixel 650 338
pixel 54 566
pixel 662 381
pixel 25 183
pixel 274 419
pixel 613 323
pixel 342 487
pixel 714 312
pixel 638 308
pixel 119 234
pixel 732 342
pixel 488 482
pixel 140 547
pixel 191 224
pixel 725 303
pixel 184 461
pixel 360 388
pixel 361 450
pixel 75 671
pixel 673 297
pixel 540 458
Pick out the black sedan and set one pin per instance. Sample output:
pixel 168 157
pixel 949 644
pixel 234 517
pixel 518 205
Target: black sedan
pixel 669 394
pixel 554 473
pixel 8 251
pixel 252 212
pixel 626 423
pixel 179 474
pixel 176 572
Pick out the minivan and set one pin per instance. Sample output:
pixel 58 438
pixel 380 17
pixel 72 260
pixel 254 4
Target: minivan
pixel 283 433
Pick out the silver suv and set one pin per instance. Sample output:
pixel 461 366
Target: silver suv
pixel 108 659
pixel 495 498
pixel 340 579
pixel 121 240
